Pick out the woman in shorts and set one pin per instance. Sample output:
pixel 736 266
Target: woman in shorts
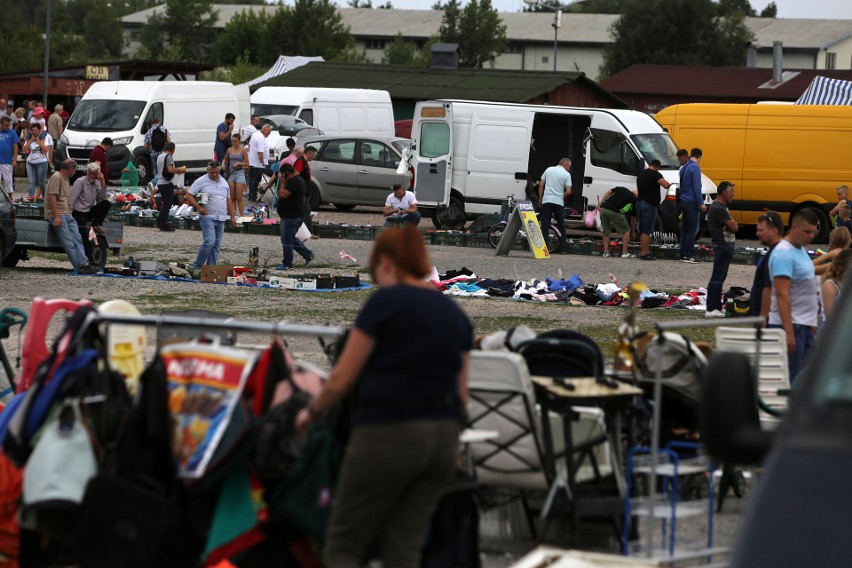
pixel 235 163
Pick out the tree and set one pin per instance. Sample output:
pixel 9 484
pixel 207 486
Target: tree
pixel 239 39
pixel 478 30
pixel 405 52
pixel 731 7
pixel 691 34
pixel 769 11
pixel 182 32
pixel 589 6
pixel 360 3
pixel 309 27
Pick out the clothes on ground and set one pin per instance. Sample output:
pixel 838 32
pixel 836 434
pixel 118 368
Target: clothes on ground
pixel 717 215
pixel 393 386
pixel 555 181
pixel 217 192
pixel 794 263
pixel 403 203
pixel 648 186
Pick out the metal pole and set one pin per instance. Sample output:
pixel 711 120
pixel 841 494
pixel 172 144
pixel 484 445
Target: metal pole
pixel 281 327
pixel 555 35
pixel 46 53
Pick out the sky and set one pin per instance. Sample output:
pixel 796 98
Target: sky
pixel 833 9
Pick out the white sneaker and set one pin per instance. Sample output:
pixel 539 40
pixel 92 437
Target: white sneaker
pixel 714 314
pixel 606 254
pixel 628 255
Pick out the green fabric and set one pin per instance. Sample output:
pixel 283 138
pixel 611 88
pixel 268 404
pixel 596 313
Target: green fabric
pixel 235 513
pixel 130 177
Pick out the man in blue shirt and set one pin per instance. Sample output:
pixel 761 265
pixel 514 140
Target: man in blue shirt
pixel 554 189
pixel 8 154
pixel 691 205
pixel 216 208
pixel 223 137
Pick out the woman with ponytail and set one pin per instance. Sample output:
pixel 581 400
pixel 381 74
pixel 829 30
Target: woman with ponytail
pixel 407 354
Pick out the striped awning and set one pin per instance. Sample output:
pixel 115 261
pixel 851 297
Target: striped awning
pixel 825 91
pixel 283 65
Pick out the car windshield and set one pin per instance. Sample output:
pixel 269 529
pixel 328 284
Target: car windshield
pixel 657 147
pixel 106 115
pixel 261 109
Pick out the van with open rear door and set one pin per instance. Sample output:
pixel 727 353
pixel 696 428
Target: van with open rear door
pixel 469 155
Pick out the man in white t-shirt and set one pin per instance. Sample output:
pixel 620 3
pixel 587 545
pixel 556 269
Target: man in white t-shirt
pixel 258 159
pixel 401 207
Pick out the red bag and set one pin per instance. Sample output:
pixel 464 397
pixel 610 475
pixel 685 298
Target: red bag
pixel 11 485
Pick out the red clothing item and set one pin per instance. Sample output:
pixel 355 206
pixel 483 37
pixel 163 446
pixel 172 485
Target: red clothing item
pixel 99 155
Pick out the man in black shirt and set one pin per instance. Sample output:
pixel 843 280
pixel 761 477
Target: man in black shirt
pixel 290 197
pixel 722 228
pixel 770 231
pixel 648 184
pixel 616 205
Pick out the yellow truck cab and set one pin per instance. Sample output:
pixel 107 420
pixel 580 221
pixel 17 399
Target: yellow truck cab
pixel 781 157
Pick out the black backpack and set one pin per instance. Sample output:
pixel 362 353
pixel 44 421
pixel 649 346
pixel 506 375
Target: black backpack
pixel 158 139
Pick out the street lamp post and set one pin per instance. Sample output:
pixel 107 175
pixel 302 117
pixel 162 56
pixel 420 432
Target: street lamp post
pixel 557 23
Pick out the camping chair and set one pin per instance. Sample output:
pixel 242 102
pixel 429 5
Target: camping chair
pixel 520 461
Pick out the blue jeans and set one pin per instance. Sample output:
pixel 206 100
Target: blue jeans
pixel 723 254
pixel 646 217
pixel 289 242
pixel 36 174
pixel 68 234
pixel 805 343
pixel 211 241
pixel 690 213
pixel 557 212
pixel 413 218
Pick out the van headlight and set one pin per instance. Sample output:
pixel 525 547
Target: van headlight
pixel 63 140
pixel 122 141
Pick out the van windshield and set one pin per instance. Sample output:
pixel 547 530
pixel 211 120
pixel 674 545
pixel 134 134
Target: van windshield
pixel 262 109
pixel 657 147
pixel 106 115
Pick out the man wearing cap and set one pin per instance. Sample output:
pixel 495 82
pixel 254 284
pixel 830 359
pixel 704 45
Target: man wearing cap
pixel 54 123
pixel 87 199
pixel 401 207
pixel 722 228
pixel 9 142
pixel 289 207
pixel 57 212
pixel 216 209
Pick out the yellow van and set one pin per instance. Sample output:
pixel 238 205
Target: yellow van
pixel 781 157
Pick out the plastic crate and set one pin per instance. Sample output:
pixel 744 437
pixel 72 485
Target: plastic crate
pixel 262 229
pixel 147 221
pixel 477 240
pixel 743 256
pixel 359 233
pixel 449 238
pixel 329 231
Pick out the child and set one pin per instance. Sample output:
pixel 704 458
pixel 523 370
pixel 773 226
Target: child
pixel 843 217
pixel 842 192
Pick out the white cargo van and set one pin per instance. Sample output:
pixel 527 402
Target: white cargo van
pixel 336 112
pixel 123 110
pixel 469 155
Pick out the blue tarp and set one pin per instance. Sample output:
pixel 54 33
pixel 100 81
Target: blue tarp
pixel 825 91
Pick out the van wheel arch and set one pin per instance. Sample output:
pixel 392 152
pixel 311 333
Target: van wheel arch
pixel 453 216
pixel 142 162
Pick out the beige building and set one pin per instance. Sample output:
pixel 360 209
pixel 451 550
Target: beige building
pixel 580 41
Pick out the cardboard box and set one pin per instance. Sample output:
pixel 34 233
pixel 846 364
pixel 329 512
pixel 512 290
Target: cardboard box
pixel 286 283
pixel 216 273
pixel 306 284
pixel 275 281
pixel 234 279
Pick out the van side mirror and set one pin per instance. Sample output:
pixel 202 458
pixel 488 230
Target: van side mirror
pixel 729 422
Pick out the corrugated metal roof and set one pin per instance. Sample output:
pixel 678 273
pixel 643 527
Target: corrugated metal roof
pixel 536 26
pixel 722 82
pixel 412 83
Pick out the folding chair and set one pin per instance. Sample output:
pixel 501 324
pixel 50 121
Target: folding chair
pixel 773 376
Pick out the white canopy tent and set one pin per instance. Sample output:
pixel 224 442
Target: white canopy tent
pixel 285 63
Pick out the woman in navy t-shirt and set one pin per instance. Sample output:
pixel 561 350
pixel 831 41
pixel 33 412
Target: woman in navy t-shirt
pixel 407 357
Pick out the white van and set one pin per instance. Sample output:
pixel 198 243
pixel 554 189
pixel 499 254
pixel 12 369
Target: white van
pixel 123 110
pixel 335 112
pixel 469 155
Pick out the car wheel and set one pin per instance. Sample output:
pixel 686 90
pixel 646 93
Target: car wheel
pixel 314 200
pixel 344 206
pixel 13 259
pixel 143 167
pixel 452 216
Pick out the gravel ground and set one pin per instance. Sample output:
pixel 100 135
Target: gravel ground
pixel 46 275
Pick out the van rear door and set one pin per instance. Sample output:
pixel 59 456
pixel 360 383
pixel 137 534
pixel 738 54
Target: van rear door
pixel 431 152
